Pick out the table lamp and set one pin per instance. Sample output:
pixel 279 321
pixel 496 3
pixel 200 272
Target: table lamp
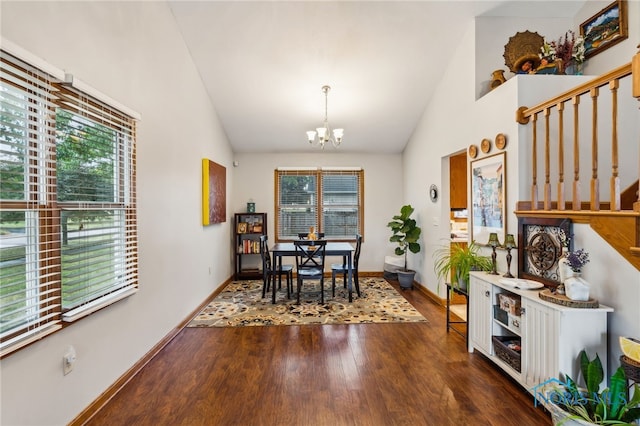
pixel 509 243
pixel 493 243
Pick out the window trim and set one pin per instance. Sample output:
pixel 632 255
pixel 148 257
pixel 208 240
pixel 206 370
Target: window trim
pixel 40 198
pixel 319 173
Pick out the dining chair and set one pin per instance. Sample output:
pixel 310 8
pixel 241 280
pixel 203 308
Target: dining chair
pixel 310 256
pixel 303 235
pixel 270 271
pixel 343 268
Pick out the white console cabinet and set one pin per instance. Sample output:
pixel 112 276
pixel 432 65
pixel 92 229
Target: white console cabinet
pixel 550 336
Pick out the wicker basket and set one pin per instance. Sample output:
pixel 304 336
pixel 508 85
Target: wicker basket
pixel 505 353
pixel 631 368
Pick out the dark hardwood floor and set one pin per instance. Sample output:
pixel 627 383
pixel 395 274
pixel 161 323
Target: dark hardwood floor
pixel 370 374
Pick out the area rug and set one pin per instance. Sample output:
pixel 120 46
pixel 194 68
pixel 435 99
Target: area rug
pixel 241 304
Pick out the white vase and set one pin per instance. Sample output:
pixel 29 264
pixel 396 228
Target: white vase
pixel 564 270
pixel 576 288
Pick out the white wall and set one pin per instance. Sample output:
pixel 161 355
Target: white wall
pixel 454 119
pixel 132 52
pixel 253 179
pixel 492 35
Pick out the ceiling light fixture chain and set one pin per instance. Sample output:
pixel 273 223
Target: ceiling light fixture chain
pixel 324 133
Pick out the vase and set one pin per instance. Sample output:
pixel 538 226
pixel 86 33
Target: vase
pixel 564 270
pixel 578 68
pixel 576 288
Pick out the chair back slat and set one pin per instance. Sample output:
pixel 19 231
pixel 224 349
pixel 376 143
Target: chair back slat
pixel 310 254
pixel 264 253
pixel 356 254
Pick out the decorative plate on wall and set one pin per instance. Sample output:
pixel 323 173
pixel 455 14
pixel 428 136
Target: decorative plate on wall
pixel 540 247
pixel 473 151
pixel 485 146
pixel 501 141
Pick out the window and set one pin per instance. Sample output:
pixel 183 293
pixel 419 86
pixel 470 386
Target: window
pixel 68 235
pixel 329 199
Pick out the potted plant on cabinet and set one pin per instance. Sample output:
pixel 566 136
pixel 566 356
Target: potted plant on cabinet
pixel 570 405
pixel 405 233
pixel 457 260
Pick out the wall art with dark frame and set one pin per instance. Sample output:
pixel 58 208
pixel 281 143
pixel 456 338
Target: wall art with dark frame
pixel 540 248
pixel 488 198
pixel 605 29
pixel 214 192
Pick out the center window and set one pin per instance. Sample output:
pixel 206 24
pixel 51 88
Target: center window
pixel 329 200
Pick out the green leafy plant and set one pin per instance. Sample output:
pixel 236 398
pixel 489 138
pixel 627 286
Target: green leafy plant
pixel 607 407
pixel 460 259
pixel 406 233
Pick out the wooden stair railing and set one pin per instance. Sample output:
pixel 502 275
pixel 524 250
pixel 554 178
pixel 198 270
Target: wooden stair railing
pixel 616 220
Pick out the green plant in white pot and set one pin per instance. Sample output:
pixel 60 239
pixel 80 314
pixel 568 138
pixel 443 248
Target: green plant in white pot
pixel 405 233
pixel 457 261
pixel 571 405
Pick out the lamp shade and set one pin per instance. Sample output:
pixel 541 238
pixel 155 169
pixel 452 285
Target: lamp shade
pixel 509 241
pixel 311 135
pixel 493 240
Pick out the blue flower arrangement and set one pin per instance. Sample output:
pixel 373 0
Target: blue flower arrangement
pixel 577 259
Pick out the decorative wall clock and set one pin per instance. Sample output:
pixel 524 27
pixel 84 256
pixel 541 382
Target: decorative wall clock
pixel 501 141
pixel 485 146
pixel 540 247
pixel 433 193
pixel 473 151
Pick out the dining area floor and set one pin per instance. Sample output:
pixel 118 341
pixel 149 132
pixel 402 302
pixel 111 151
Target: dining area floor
pixel 353 374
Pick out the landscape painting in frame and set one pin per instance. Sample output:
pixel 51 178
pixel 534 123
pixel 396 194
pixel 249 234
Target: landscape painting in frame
pixel 488 193
pixel 214 192
pixel 605 29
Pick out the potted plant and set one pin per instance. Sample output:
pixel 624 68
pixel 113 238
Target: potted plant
pixel 405 233
pixel 457 260
pixel 571 405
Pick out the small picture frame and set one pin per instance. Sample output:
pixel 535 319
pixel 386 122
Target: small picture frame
pixel 242 227
pixel 605 29
pixel 257 228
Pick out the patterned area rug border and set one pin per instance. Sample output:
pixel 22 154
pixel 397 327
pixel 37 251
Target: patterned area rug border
pixel 241 304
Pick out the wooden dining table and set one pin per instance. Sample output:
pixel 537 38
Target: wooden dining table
pixel 343 249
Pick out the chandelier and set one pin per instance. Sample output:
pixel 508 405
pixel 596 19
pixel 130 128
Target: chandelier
pixel 324 133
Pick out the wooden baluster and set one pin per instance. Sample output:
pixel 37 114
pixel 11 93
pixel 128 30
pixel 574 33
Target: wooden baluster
pixel 547 150
pixel 534 165
pixel 615 179
pixel 561 205
pixel 595 192
pixel 576 200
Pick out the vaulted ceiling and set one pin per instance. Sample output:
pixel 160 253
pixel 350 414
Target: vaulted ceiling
pixel 264 64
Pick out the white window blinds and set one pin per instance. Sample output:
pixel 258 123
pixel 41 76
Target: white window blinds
pixel 68 233
pixel 330 200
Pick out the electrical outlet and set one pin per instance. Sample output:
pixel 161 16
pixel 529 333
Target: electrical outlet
pixel 68 360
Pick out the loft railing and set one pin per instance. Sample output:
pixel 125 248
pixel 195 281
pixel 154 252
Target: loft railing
pixel 591 134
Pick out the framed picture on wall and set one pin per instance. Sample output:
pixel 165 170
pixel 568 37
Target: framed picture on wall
pixel 488 194
pixel 605 29
pixel 540 242
pixel 214 192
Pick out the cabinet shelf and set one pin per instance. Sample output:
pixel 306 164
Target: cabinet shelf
pixel 246 239
pixel 548 333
